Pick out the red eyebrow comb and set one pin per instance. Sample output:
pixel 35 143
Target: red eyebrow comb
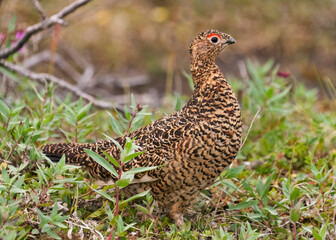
pixel 213 35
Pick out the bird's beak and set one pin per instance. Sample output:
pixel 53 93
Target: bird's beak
pixel 231 40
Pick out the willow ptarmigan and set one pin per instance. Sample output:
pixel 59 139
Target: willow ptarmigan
pixel 194 145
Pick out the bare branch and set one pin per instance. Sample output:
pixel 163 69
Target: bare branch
pixel 60 61
pixel 41 77
pixel 47 23
pixel 39 9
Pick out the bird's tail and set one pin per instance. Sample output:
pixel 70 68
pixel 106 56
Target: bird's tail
pixel 74 152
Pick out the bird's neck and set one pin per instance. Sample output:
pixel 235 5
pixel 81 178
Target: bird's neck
pixel 205 70
pixel 211 88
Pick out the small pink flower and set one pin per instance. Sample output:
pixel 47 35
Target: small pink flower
pixel 283 74
pixel 19 34
pixel 18 37
pixel 2 36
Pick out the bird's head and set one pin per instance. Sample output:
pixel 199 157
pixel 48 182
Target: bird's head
pixel 208 44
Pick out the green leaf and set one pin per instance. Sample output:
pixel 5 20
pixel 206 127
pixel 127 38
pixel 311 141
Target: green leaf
pixel 114 141
pixel 295 194
pixel 102 161
pixel 266 187
pixel 83 111
pixel 233 172
pixel 15 189
pixel 259 186
pixel 112 159
pixel 286 187
pixel 139 170
pixel 279 95
pixel 104 194
pixel 43 219
pixel 295 212
pixel 41 174
pixel 54 211
pixel 314 169
pixel 116 126
pixel 270 92
pixel 142 209
pixel 243 205
pixel 122 203
pixel 4 111
pixel 123 183
pixel 12 23
pixel 248 189
pixel 59 166
pixel 190 80
pixel 128 146
pixel 53 235
pixel 5 176
pixel 19 182
pixel 133 103
pixel 127 113
pixel 61 225
pixel 323 232
pixel 10 235
pixel 271 210
pixel 131 156
pixel 266 68
pixel 17 109
pixel 9 74
pixel 96 214
pixel 108 211
pixel 46 228
pixel 316 235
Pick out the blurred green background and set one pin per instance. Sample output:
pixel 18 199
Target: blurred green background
pixel 141 46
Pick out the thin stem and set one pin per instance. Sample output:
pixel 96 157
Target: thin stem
pixel 295 233
pixel 251 124
pixel 138 109
pixel 118 190
pixel 16 143
pixel 130 123
pixel 76 131
pixel 44 192
pixel 155 229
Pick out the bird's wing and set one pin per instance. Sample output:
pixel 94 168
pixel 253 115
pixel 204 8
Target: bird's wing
pixel 159 141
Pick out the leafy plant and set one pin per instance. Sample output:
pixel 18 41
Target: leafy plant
pixel 280 187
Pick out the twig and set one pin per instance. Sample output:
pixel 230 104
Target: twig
pixel 39 9
pixel 74 219
pixel 46 23
pixel 251 124
pixel 59 60
pixel 41 77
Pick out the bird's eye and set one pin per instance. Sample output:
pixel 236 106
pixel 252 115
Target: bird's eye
pixel 214 39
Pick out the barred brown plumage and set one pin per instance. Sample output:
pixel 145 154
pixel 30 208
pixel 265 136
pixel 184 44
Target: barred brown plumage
pixel 195 144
